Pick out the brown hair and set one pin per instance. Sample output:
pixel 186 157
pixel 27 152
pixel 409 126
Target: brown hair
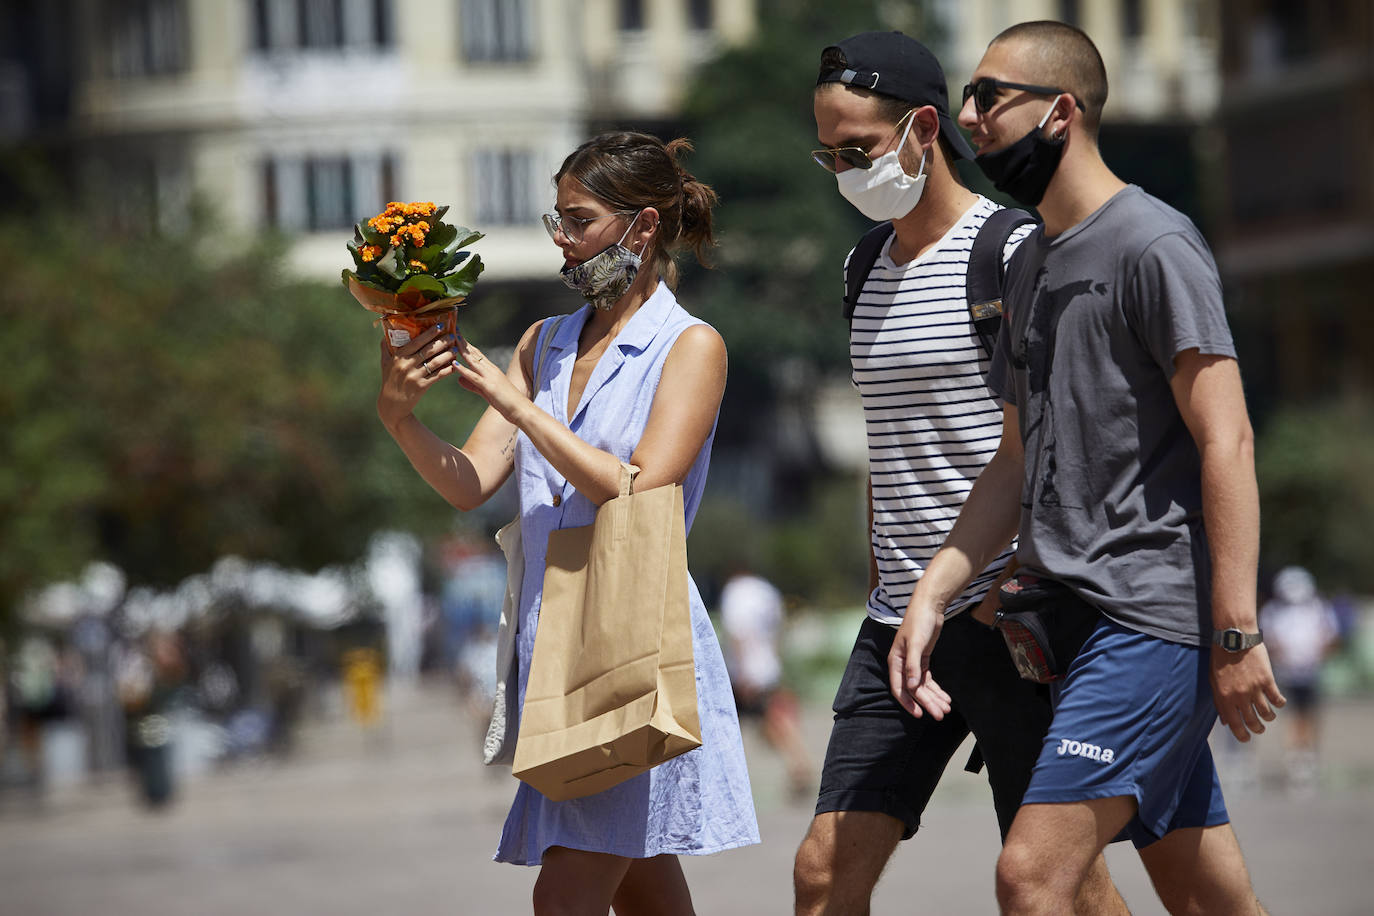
pixel 1057 54
pixel 631 171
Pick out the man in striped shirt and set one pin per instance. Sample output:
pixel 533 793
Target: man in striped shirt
pixel 882 115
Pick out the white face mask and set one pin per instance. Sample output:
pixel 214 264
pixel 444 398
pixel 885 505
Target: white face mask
pixel 884 191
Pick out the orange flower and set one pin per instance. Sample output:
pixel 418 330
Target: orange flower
pixel 419 265
pixel 370 253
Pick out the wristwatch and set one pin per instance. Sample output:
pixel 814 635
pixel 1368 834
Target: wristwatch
pixel 1234 640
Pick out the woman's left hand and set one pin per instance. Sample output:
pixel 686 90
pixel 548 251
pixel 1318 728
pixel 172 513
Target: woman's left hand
pixel 481 376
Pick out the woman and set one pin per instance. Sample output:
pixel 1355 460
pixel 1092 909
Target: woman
pixel 630 376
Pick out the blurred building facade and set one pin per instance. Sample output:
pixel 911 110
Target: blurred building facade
pixel 1162 56
pixel 308 115
pixel 1295 227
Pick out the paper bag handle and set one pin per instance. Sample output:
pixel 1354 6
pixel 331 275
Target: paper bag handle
pixel 621 525
pixel 627 478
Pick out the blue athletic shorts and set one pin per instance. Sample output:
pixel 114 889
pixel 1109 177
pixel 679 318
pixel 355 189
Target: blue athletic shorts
pixel 1132 718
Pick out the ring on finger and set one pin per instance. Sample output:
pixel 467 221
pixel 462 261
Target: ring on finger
pixel 425 363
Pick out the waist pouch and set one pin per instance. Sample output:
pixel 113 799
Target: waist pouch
pixel 1044 624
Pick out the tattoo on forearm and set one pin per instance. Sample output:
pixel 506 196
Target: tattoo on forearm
pixel 508 450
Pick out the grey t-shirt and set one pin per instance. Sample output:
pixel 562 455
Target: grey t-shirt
pixel 1112 493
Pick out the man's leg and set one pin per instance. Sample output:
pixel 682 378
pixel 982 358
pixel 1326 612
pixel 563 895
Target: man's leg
pixel 881 767
pixel 1197 866
pixel 840 860
pixel 1009 717
pixel 1097 893
pixel 1051 850
pixel 1201 870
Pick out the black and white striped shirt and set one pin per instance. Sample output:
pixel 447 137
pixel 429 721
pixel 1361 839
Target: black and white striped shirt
pixel 932 423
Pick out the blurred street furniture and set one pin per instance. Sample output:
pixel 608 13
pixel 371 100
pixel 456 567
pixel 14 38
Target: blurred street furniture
pixel 362 677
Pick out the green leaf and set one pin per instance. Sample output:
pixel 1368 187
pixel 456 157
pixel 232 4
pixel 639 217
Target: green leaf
pixel 461 282
pixel 446 262
pixel 393 263
pixel 440 237
pixel 433 254
pixel 372 236
pixel 466 236
pixel 364 268
pixel 425 284
pixel 376 283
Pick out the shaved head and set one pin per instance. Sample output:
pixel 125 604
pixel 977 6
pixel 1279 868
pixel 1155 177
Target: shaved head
pixel 1057 54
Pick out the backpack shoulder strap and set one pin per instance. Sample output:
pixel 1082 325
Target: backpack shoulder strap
pixel 986 271
pixel 860 263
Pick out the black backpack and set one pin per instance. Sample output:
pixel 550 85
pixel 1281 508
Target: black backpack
pixel 986 271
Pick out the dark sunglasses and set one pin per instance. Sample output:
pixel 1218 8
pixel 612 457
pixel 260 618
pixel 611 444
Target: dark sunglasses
pixel 852 156
pixel 984 92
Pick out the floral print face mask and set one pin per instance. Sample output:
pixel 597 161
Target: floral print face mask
pixel 603 278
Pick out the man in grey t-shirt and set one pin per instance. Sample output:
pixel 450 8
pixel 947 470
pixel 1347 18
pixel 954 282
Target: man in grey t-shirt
pixel 1126 463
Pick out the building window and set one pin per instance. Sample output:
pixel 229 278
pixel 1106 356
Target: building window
pixel 495 31
pixel 329 192
pixel 504 185
pixel 321 25
pixel 631 15
pixel 323 193
pixel 1132 19
pixel 699 15
pixel 145 37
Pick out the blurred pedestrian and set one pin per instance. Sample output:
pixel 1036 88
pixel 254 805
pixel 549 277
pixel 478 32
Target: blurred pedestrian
pixel 630 377
pixel 37 698
pixel 1302 631
pixel 920 365
pixel 751 616
pixel 149 677
pixel 1126 465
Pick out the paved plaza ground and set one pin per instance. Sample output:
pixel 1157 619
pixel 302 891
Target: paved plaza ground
pixel 404 822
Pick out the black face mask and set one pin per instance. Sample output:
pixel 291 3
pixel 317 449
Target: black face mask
pixel 1024 169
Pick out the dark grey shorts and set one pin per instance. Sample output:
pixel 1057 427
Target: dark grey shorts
pixel 881 758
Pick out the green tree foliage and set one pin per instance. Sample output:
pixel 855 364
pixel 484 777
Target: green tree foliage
pixel 1316 493
pixel 167 402
pixel 783 231
pixel 783 228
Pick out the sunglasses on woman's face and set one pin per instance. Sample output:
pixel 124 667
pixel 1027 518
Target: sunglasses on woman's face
pixel 852 156
pixel 984 92
pixel 573 227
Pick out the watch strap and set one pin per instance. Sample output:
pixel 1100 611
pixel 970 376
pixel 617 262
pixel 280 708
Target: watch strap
pixel 1235 640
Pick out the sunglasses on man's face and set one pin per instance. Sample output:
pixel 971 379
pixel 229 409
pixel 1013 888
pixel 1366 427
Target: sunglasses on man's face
pixel 852 156
pixel 984 92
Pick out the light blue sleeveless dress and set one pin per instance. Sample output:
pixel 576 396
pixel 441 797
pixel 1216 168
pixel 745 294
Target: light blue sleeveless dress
pixel 699 802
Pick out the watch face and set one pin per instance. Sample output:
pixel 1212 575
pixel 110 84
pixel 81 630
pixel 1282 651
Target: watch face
pixel 1231 640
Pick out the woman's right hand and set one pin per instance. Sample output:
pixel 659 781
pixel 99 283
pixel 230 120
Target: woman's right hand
pixel 409 371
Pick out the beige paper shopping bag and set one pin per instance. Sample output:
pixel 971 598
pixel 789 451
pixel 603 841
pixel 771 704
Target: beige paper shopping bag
pixel 612 687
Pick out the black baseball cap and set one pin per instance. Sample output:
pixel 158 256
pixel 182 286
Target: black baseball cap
pixel 898 66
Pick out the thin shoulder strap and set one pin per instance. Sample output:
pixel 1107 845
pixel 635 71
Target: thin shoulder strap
pixel 987 270
pixel 860 263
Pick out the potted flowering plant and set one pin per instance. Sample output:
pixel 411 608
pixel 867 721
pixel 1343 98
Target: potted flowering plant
pixel 410 268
